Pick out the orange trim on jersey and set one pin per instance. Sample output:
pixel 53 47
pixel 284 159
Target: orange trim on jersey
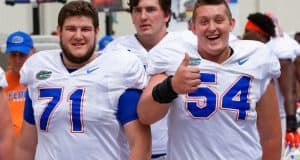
pixel 253 27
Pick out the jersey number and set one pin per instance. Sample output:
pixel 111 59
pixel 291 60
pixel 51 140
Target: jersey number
pixel 235 98
pixel 55 96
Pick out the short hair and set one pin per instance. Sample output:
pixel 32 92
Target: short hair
pixel 297 37
pixel 263 22
pixel 78 8
pixel 164 4
pixel 210 2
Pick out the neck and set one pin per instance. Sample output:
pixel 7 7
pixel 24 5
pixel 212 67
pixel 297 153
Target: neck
pixel 218 58
pixel 71 65
pixel 148 42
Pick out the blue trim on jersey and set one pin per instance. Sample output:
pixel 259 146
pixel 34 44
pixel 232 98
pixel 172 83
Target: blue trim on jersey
pixel 207 77
pixel 28 110
pixel 127 106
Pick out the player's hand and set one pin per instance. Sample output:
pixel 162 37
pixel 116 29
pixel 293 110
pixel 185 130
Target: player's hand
pixel 292 139
pixel 186 78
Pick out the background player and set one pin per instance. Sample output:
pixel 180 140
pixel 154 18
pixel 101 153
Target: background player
pixel 233 111
pixel 150 19
pixel 261 27
pixel 71 109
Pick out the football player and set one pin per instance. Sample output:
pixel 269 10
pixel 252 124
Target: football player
pixel 150 19
pixel 72 108
pixel 220 98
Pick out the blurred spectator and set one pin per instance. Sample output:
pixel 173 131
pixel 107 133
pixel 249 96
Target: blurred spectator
pixel 19 46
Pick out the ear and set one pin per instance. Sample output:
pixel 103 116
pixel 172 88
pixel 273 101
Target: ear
pixel 97 30
pixel 167 16
pixel 58 30
pixel 192 26
pixel 232 24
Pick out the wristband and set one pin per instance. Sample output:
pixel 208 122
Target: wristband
pixel 291 123
pixel 163 92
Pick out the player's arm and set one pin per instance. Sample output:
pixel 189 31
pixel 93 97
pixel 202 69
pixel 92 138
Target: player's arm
pixel 138 134
pixel 139 139
pixel 268 124
pixel 287 85
pixel 154 102
pixel 6 130
pixel 27 140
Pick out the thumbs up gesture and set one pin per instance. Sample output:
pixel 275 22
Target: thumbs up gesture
pixel 186 78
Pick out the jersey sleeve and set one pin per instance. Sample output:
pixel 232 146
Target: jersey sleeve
pixel 112 45
pixel 284 47
pixel 3 82
pixel 135 75
pixel 272 68
pixel 164 60
pixel 273 65
pixel 26 72
pixel 28 110
pixel 127 106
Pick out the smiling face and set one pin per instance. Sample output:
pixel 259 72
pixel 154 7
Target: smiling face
pixel 212 25
pixel 149 19
pixel 77 40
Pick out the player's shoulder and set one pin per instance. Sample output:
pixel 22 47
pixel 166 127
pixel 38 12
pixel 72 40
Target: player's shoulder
pixel 283 43
pixel 246 45
pixel 255 50
pixel 173 43
pixel 42 56
pixel 41 59
pixel 128 41
pixel 119 56
pixel 176 37
pixel 284 47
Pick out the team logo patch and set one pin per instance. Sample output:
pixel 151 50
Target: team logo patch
pixel 17 39
pixel 42 75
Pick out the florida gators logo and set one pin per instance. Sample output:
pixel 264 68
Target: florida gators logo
pixel 42 75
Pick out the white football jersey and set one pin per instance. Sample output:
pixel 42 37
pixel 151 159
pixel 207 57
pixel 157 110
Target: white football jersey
pixel 284 48
pixel 3 82
pixel 75 113
pixel 218 121
pixel 159 129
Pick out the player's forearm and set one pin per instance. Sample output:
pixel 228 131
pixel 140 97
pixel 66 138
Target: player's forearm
pixel 6 129
pixel 271 149
pixel 149 110
pixel 26 143
pixel 6 146
pixel 139 140
pixel 268 124
pixel 21 152
pixel 287 84
pixel 140 151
